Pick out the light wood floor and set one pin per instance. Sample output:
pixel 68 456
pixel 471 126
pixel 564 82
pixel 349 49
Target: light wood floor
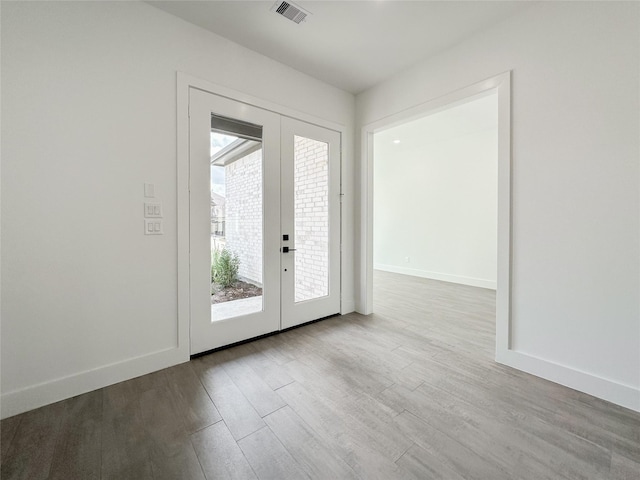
pixel 410 392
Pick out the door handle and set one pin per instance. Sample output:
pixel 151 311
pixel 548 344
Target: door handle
pixel 287 249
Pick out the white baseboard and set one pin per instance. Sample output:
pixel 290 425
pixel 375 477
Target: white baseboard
pixel 606 389
pixel 445 277
pixel 19 401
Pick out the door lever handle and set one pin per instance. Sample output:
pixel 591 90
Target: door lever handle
pixel 287 249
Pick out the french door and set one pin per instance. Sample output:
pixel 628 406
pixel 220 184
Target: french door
pixel 264 221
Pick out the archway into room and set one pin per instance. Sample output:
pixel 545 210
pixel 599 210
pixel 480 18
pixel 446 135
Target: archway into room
pixel 374 247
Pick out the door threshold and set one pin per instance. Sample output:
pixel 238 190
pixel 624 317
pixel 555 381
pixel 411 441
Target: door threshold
pixel 259 337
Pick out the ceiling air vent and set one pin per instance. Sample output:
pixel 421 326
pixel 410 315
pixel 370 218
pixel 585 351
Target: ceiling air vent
pixel 290 11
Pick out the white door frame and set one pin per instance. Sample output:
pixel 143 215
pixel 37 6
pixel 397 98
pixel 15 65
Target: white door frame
pixel 184 83
pixel 502 85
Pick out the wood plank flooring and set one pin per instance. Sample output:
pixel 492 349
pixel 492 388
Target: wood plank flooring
pixel 411 392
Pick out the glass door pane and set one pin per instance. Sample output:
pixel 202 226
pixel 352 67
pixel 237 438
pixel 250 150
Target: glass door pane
pixel 311 210
pixel 236 221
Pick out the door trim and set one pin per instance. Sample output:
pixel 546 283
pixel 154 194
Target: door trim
pixel 184 83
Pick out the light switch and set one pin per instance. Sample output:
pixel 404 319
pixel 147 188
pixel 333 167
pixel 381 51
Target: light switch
pixel 152 210
pixel 153 227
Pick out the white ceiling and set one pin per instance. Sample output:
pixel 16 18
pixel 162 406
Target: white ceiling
pixel 350 44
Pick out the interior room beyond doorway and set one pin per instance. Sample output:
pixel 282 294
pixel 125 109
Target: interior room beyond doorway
pixel 435 189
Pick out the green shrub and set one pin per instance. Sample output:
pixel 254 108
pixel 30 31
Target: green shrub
pixel 224 267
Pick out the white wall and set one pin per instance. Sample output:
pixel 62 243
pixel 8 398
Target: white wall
pixel 575 211
pixel 88 116
pixel 435 195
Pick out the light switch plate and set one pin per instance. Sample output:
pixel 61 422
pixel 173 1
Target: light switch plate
pixel 152 210
pixel 149 190
pixel 153 227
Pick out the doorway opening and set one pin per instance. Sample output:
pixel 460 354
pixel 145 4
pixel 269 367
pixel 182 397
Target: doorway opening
pixel 501 86
pixel 435 221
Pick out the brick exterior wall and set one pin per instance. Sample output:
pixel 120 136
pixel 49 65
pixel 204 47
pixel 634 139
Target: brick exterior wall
pixel 243 179
pixel 311 219
pixel 244 217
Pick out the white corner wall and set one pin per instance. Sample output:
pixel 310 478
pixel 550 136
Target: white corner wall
pixel 88 116
pixel 575 291
pixel 435 195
